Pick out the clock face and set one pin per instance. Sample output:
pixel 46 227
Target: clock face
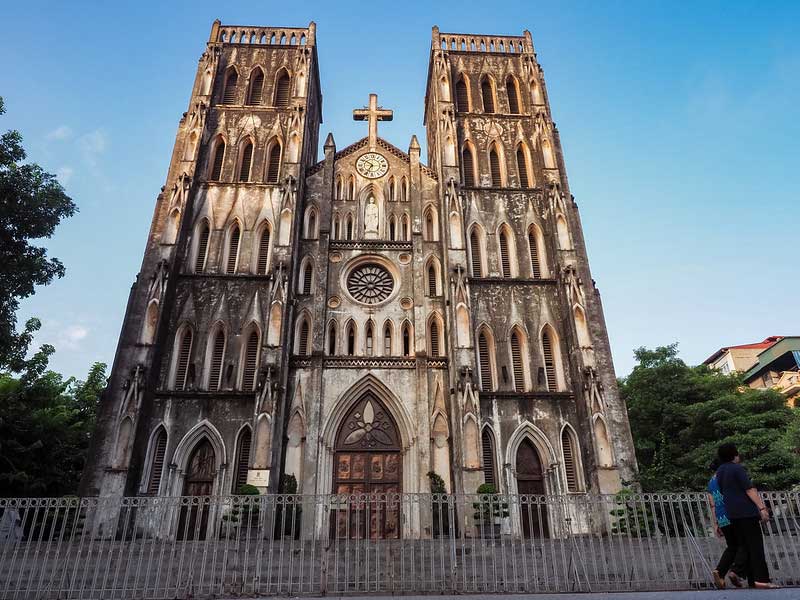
pixel 372 165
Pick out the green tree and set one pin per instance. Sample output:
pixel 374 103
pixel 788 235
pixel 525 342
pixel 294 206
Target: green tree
pixel 45 425
pixel 32 204
pixel 679 414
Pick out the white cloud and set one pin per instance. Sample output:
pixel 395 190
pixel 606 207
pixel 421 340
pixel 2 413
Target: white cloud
pixel 71 336
pixel 64 174
pixel 92 145
pixel 62 132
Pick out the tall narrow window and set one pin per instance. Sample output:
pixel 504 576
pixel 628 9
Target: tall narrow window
pixel 462 96
pixel 217 356
pixel 487 95
pixel 233 250
pixel 250 362
pixel 349 227
pixel 247 159
pixel 533 244
pixel 282 90
pixel 522 168
pixel 332 338
pixel 157 462
pixel 475 251
pixel 351 339
pixel 468 164
pixel 516 362
pixel 274 163
pixel 308 272
pixel 429 228
pixel 202 248
pixel 311 224
pixel 505 258
pixel 242 460
pixel 494 167
pixel 487 448
pixel 393 228
pixel 229 96
pixel 435 341
pixel 485 362
pixel 302 347
pixel 406 340
pixel 570 463
pixel 432 281
pixel 256 87
pixel 549 362
pixel 513 97
pixel 216 164
pixel 370 339
pixel 406 229
pixel 263 251
pixel 182 362
pixel 337 230
pixel 387 339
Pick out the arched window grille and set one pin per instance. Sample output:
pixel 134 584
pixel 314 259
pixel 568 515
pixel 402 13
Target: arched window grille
pixel 569 449
pixel 256 87
pixel 494 167
pixel 157 462
pixel 505 257
pixel 533 245
pixel 282 87
pixel 488 95
pixel 182 362
pixel 305 335
pixel 229 95
pixel 513 97
pixel 487 450
pixel 242 460
pixel 233 250
pixel 462 95
pixel 216 163
pixel 485 362
pixel 202 248
pixel 522 168
pixel 217 356
pixel 263 251
pixel 250 362
pixel 247 159
pixel 516 362
pixel 468 165
pixel 332 338
pixel 475 253
pixel 549 362
pixel 274 163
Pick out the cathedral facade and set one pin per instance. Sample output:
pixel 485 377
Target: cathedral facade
pixel 360 322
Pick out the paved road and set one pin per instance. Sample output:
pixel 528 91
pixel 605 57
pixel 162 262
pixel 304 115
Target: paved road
pixel 744 594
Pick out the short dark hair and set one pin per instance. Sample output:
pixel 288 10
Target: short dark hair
pixel 714 464
pixel 727 452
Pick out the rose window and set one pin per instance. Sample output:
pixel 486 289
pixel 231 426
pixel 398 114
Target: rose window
pixel 370 283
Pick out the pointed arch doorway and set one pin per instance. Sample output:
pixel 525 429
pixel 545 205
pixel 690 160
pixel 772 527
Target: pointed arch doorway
pixel 530 481
pixel 367 461
pixel 198 481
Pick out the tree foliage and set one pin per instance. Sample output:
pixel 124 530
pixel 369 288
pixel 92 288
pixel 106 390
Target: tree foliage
pixel 680 414
pixel 45 425
pixel 32 204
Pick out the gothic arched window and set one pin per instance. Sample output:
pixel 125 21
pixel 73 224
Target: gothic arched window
pixel 307 279
pixel 369 339
pixel 513 96
pixel 246 161
pixel 435 341
pixel 407 339
pixel 282 90
pixel 262 264
pixel 351 339
pixel 243 445
pixel 201 249
pixel 256 87
pixel 250 360
pixel 215 173
pixel 387 339
pixel 569 449
pixel 550 366
pixel 535 255
pixel 485 360
pixel 487 94
pixel 489 462
pixel 494 167
pixel 468 166
pixel 183 348
pixel 274 162
pixel 476 252
pixel 332 338
pixel 518 360
pixel 217 348
pixel 231 80
pixel 159 449
pixel 234 235
pixel 462 95
pixel 522 168
pixel 505 252
pixel 304 338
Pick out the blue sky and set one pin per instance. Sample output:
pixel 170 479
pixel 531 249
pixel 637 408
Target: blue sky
pixel 679 123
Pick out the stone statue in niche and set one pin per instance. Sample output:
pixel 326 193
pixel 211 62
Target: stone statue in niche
pixel 371 220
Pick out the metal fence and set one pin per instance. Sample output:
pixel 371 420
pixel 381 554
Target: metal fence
pixel 159 547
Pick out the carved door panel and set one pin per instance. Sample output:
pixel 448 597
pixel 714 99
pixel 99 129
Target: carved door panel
pixel 199 481
pixel 530 480
pixel 368 469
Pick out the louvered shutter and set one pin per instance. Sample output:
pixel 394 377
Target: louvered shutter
pixel 184 351
pixel 549 363
pixel 250 362
pixel 256 88
pixel 202 249
pixel 494 166
pixel 229 97
pixel 475 248
pixel 219 156
pixel 282 91
pixel 522 168
pixel 242 460
pixel 536 268
pixel 303 350
pixel 263 251
pixel 307 275
pixel 487 447
pixel 570 466
pixel 488 97
pixel 217 354
pixel 434 338
pixel 157 464
pixel 513 99
pixel 431 281
pixel 505 259
pixel 516 360
pixel 247 159
pixel 485 363
pixel 468 164
pixel 233 250
pixel 462 96
pixel 274 163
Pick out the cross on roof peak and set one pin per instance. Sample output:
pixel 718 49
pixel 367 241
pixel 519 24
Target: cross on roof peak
pixel 373 113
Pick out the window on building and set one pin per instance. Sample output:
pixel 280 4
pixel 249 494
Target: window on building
pixel 256 87
pixel 229 95
pixel 217 356
pixel 247 159
pixel 182 361
pixel 217 161
pixel 233 249
pixel 282 87
pixel 274 163
pixel 202 247
pixel 250 361
pixel 487 94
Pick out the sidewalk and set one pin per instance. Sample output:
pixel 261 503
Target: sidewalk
pixel 742 594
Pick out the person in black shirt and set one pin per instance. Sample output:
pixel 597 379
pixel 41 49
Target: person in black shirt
pixel 745 510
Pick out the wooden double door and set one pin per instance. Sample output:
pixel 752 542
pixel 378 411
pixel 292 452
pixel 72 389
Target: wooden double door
pixel 368 470
pixel 530 482
pixel 199 481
